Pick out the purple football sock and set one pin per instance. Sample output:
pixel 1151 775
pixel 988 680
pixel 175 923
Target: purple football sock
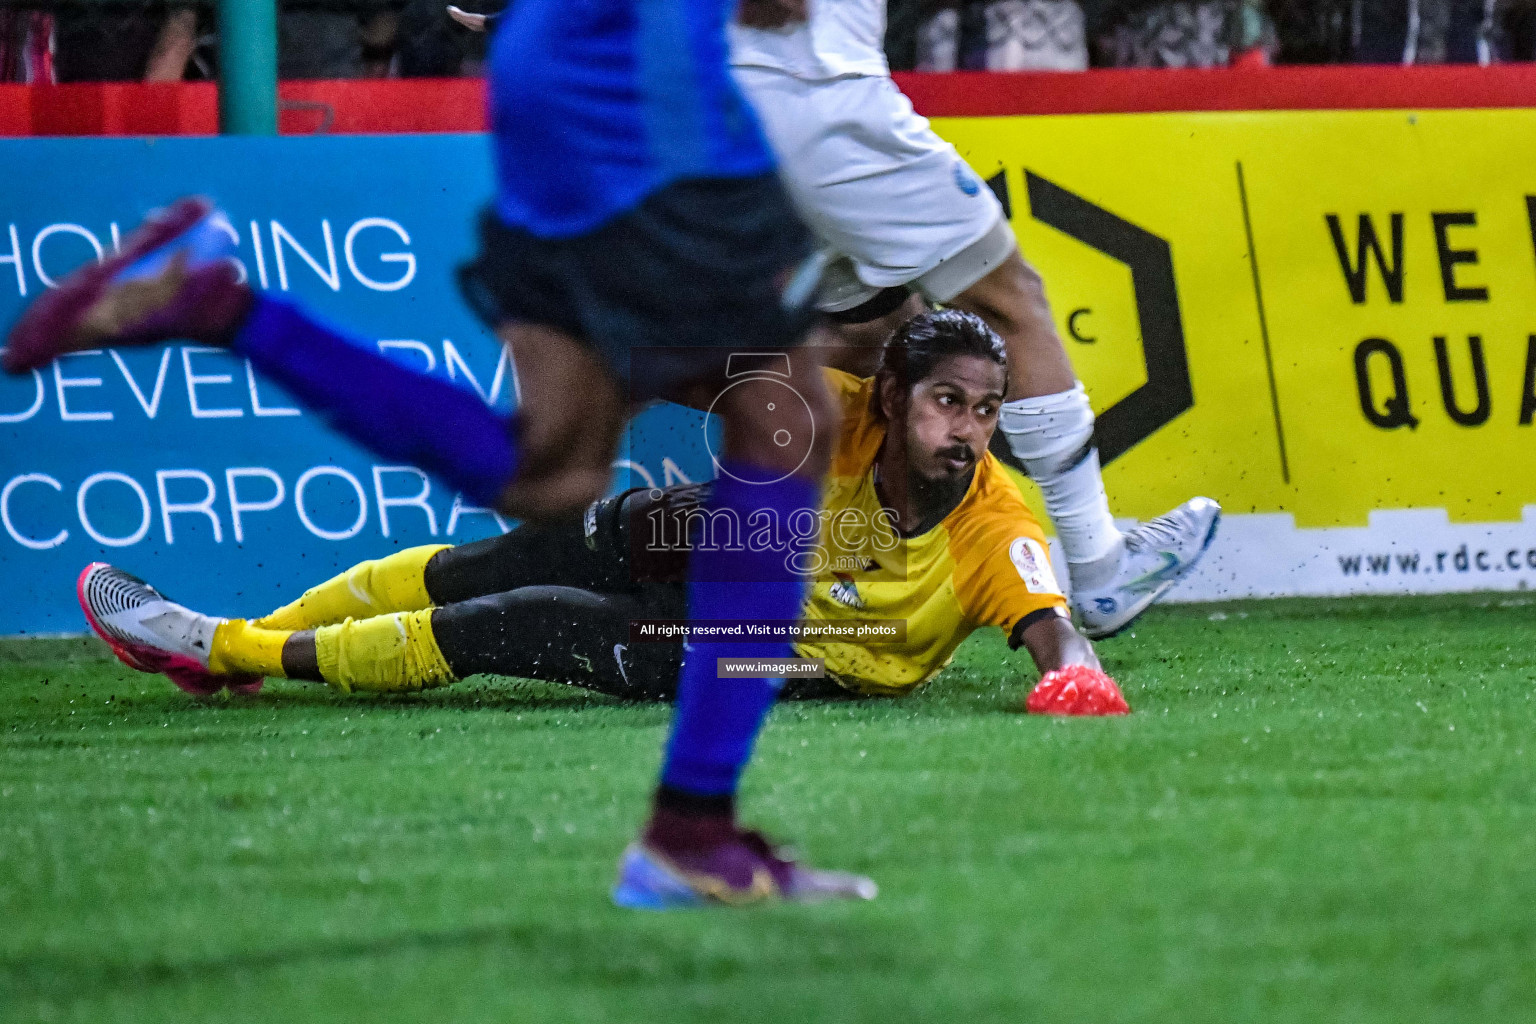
pixel 389 408
pixel 717 720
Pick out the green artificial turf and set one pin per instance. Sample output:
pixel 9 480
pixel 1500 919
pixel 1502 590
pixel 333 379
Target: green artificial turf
pixel 1320 811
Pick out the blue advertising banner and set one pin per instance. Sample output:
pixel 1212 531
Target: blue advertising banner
pixel 182 465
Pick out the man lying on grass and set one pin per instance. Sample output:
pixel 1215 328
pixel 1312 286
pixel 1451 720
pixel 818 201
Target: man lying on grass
pixel 920 526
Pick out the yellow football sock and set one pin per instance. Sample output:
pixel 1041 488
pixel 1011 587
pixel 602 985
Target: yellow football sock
pixel 392 584
pixel 241 648
pixel 385 654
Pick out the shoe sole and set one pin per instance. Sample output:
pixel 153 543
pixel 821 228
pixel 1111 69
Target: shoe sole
pixel 1163 588
pixel 646 884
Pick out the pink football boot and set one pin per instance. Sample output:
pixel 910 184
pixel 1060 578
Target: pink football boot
pixel 172 279
pixel 151 634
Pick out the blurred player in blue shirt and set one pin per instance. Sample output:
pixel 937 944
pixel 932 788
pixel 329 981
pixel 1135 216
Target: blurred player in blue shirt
pixel 639 247
pixel 596 104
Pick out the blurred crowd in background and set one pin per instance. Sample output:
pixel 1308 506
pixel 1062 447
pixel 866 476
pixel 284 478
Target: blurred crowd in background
pixel 167 41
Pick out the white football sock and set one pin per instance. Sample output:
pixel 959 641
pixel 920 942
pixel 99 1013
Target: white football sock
pixel 1052 435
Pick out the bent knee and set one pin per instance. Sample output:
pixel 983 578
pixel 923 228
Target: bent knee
pixel 556 493
pixel 1010 296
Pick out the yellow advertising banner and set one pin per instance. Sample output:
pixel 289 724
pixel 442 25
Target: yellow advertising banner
pixel 1325 320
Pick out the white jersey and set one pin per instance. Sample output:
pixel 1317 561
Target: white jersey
pixel 841 38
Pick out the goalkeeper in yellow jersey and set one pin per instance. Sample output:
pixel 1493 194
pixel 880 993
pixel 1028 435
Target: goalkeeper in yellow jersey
pixel 919 526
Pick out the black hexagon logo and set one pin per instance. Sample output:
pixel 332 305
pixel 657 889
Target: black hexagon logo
pixel 1167 392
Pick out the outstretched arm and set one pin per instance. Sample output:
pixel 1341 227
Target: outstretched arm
pixel 1054 642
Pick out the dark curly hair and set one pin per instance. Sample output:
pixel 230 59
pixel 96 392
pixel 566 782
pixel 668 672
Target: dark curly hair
pixel 919 345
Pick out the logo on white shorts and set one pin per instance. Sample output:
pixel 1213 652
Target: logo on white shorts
pixel 965 181
pixel 1034 566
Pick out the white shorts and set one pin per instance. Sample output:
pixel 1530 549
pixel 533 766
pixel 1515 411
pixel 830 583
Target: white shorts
pixel 895 203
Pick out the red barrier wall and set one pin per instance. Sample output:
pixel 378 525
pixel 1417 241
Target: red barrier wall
pixel 1331 87
pixel 360 106
pixel 456 105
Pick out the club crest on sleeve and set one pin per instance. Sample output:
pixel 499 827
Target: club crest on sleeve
pixel 965 181
pixel 1034 566
pixel 846 591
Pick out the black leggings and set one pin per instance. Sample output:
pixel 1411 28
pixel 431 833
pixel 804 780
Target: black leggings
pixel 533 555
pixel 554 601
pixel 563 635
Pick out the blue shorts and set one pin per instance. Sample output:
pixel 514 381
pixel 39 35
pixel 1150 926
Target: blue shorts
pixel 664 293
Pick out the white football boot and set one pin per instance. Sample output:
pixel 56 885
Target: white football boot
pixel 151 634
pixel 1154 556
